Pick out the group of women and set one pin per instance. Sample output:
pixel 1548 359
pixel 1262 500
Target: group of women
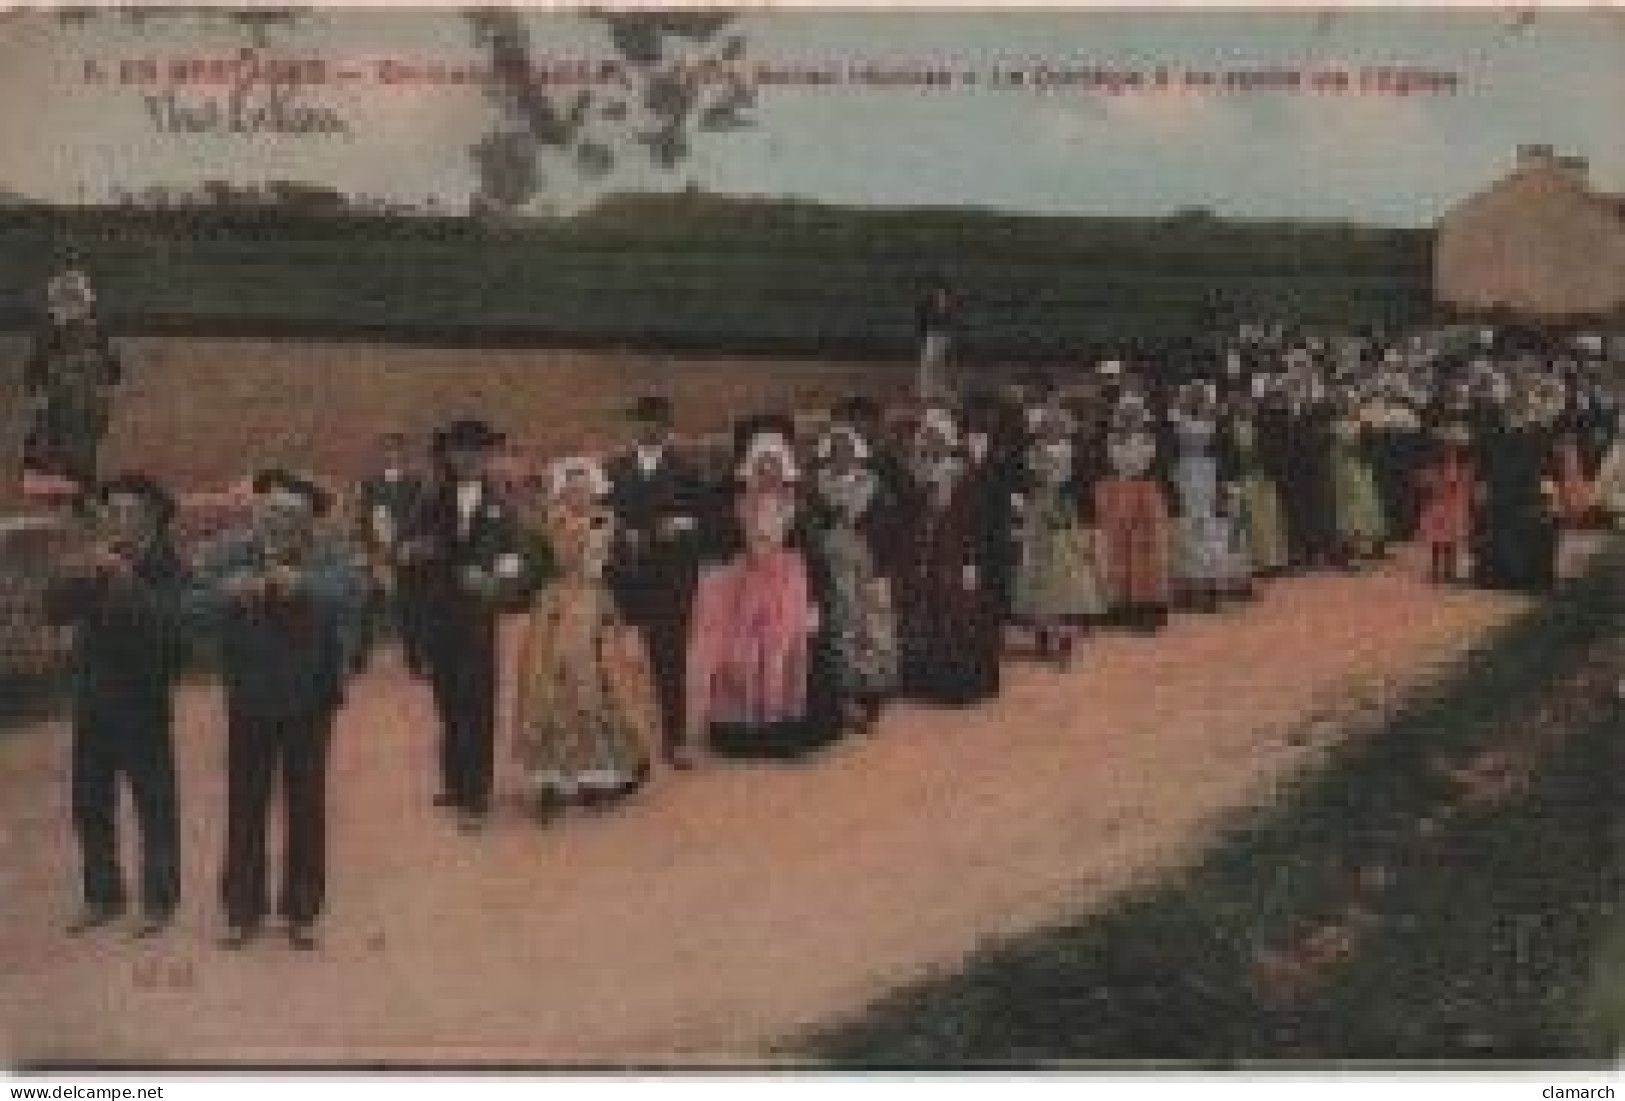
pixel 884 558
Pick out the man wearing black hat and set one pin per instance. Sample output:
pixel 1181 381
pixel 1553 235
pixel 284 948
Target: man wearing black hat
pixel 655 494
pixel 284 602
pixel 126 597
pixel 467 545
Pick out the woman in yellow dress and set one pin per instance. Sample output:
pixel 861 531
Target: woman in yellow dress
pixel 586 710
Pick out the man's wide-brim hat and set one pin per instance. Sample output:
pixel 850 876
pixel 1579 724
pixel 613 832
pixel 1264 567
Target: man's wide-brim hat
pixel 159 502
pixel 651 409
pixel 467 434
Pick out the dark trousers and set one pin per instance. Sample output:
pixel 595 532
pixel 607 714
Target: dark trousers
pixel 257 751
pixel 667 641
pixel 400 610
pixel 139 747
pixel 411 620
pixel 463 675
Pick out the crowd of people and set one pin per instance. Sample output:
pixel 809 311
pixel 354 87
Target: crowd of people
pixel 769 599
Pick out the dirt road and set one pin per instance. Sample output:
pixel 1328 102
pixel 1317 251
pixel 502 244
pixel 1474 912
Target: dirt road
pixel 727 907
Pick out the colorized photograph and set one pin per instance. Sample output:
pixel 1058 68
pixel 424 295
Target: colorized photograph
pixel 694 539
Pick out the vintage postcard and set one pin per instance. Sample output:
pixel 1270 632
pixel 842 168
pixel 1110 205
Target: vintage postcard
pixel 706 538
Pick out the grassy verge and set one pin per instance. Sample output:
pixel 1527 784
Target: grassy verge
pixel 1447 889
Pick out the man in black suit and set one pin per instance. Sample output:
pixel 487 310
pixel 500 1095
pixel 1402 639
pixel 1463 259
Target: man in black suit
pixel 284 601
pixel 125 596
pixel 655 494
pixel 468 547
pixel 388 504
pixel 994 455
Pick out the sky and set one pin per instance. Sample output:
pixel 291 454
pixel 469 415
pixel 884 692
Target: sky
pixel 1367 157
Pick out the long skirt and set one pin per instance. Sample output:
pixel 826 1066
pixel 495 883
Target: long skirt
pixel 587 711
pixel 862 628
pixel 1133 518
pixel 1058 575
pixel 1265 522
pixel 1394 457
pixel 1447 508
pixel 1211 544
pixel 951 642
pixel 1576 494
pixel 758 683
pixel 1359 506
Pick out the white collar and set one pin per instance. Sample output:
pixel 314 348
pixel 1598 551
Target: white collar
pixel 650 456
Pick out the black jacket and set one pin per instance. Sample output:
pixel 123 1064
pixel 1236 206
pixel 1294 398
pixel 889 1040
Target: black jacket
pixel 130 642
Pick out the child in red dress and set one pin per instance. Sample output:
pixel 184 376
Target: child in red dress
pixel 1446 484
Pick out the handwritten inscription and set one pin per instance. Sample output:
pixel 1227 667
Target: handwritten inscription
pixel 247 111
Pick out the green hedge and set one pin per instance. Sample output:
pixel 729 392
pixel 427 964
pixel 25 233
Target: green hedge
pixel 723 275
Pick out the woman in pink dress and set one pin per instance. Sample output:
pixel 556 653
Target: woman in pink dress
pixel 757 683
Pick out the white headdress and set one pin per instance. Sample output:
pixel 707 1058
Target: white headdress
pixel 561 471
pixel 826 442
pixel 1131 412
pixel 1110 367
pixel 1043 416
pixel 770 443
pixel 939 420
